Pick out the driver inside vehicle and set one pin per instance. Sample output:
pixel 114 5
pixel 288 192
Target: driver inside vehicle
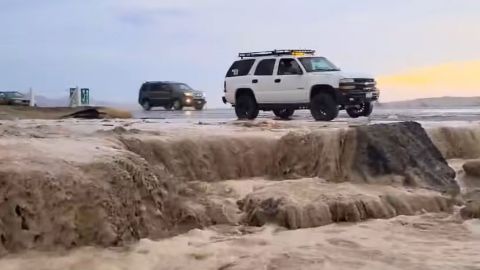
pixel 289 67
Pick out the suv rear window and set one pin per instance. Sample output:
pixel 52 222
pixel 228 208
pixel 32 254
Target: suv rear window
pixel 240 68
pixel 265 67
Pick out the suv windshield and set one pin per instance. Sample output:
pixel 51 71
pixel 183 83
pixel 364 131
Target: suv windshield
pixel 317 64
pixel 181 87
pixel 12 94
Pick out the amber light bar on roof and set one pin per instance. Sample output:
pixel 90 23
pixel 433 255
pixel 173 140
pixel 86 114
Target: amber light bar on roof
pixel 277 53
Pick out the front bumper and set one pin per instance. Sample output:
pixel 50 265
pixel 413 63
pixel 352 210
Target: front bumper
pixel 190 101
pixel 358 90
pixel 357 97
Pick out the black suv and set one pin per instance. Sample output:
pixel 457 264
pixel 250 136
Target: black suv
pixel 170 95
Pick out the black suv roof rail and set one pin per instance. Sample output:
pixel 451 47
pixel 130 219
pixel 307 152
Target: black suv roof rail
pixel 160 82
pixel 275 52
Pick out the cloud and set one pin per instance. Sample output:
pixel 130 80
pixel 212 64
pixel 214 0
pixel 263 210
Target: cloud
pixel 155 4
pixel 147 16
pixel 112 46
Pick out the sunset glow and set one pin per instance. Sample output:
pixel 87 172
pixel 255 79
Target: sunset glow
pixel 452 79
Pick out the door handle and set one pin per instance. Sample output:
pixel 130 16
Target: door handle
pixel 277 80
pixel 254 81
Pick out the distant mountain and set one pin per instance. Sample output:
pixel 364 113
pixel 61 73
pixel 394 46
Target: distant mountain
pixel 440 102
pixel 43 101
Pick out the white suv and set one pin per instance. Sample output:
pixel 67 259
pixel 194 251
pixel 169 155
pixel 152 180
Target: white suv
pixel 283 81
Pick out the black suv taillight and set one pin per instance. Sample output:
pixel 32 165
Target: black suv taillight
pixel 224 86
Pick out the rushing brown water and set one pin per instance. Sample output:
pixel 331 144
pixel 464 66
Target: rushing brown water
pixel 70 188
pixel 429 241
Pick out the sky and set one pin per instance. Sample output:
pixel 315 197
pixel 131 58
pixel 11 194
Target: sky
pixel 113 46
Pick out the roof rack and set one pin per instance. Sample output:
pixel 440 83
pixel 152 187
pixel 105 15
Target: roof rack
pixel 276 52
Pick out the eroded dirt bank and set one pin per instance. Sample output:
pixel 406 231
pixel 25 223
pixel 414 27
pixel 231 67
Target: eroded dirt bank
pixel 62 187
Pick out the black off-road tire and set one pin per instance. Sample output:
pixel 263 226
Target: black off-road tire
pixel 177 105
pixel 146 105
pixel 246 107
pixel 198 107
pixel 369 110
pixel 323 107
pixel 364 109
pixel 284 113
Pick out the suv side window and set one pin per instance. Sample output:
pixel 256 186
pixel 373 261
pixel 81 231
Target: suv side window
pixel 265 67
pixel 289 66
pixel 156 87
pixel 165 88
pixel 240 68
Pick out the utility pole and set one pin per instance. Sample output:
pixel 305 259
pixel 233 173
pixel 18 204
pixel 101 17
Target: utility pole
pixel 32 98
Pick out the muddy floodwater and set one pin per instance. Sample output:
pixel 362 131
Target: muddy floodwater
pixel 420 242
pixel 215 193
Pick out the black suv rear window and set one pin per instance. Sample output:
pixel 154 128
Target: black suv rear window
pixel 265 67
pixel 240 68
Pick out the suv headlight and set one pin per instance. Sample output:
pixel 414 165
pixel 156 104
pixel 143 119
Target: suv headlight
pixel 347 81
pixel 347 84
pixel 188 94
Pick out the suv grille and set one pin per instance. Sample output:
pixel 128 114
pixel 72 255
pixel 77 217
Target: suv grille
pixel 364 84
pixel 359 85
pixel 364 80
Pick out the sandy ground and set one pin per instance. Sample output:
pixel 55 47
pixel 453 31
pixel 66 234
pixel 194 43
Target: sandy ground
pixel 25 112
pixel 193 126
pixel 379 114
pixel 65 150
